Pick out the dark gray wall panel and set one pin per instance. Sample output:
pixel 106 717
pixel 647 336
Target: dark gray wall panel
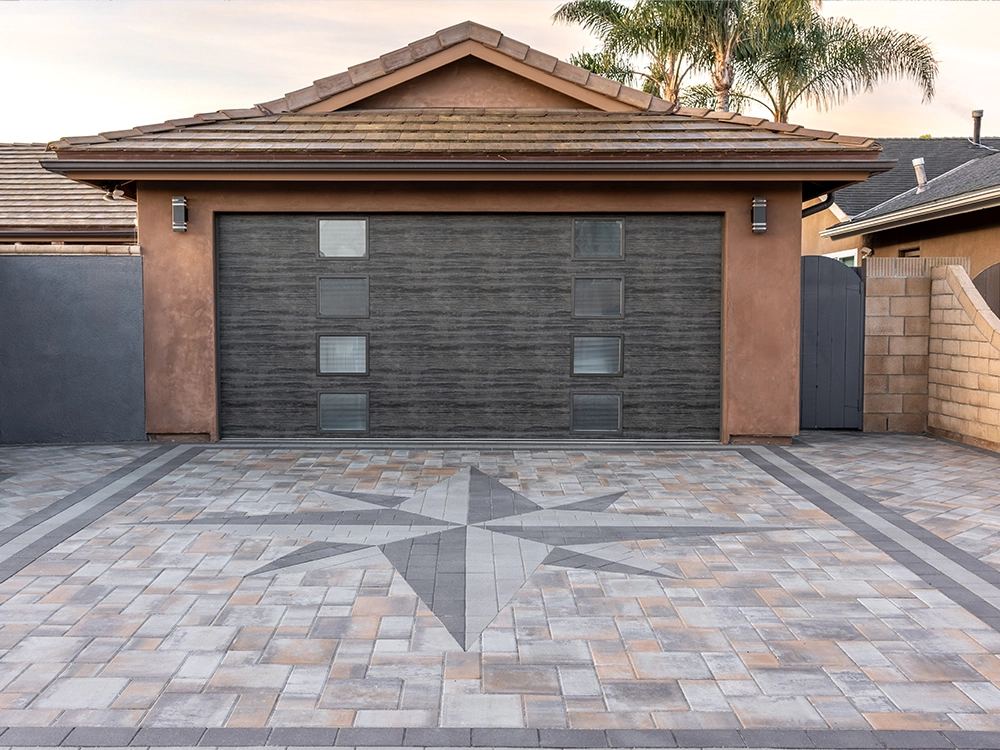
pixel 71 367
pixel 470 325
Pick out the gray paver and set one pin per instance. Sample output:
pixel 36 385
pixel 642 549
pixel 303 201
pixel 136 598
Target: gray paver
pixel 727 588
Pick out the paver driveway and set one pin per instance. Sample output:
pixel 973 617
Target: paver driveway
pixel 840 592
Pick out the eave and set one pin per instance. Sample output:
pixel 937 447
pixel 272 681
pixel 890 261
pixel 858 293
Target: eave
pixel 940 209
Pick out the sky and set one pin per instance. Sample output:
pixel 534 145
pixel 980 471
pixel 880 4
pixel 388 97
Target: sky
pixel 78 67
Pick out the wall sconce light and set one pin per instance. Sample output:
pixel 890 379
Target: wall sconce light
pixel 758 215
pixel 180 215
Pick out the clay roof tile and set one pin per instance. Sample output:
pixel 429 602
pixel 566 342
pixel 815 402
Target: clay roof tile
pixel 303 97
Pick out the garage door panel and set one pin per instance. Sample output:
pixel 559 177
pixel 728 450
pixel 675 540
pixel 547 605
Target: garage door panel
pixel 469 326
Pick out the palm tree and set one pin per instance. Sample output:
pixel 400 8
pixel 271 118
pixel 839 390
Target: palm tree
pixel 722 29
pixel 659 30
pixel 824 61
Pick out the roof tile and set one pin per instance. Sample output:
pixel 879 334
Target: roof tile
pixel 512 47
pixel 35 199
pixel 331 85
pixel 275 106
pixel 821 134
pixel 603 85
pixel 571 73
pixel 185 121
pixel 661 105
pixel 158 127
pixel 484 34
pixel 238 114
pixel 540 60
pixel 634 97
pixel 396 59
pixel 460 32
pixel 425 47
pixel 366 71
pixel 303 97
pixel 116 134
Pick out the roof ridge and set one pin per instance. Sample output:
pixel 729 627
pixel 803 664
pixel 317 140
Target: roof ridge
pixel 324 88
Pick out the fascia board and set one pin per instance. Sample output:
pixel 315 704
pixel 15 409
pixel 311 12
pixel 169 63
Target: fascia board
pixel 962 204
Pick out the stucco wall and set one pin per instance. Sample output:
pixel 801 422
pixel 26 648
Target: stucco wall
pixel 813 244
pixel 760 278
pixel 964 374
pixel 973 236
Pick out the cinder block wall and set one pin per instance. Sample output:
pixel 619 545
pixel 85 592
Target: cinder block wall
pixel 897 324
pixel 964 363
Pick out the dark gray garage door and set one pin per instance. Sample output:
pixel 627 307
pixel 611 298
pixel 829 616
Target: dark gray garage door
pixel 494 326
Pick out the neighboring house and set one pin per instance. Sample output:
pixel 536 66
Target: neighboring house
pixel 954 215
pixel 468 238
pixel 70 308
pixel 940 155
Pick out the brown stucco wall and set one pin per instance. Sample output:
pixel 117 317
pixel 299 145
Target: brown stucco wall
pixel 469 82
pixel 760 279
pixel 975 236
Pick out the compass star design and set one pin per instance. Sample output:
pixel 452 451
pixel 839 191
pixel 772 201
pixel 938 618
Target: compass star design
pixel 469 543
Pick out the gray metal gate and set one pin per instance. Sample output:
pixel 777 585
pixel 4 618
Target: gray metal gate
pixel 988 284
pixel 833 320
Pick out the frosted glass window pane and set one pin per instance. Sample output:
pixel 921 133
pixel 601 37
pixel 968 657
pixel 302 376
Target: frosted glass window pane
pixel 343 238
pixel 597 298
pixel 597 355
pixel 343 298
pixel 597 238
pixel 343 354
pixel 343 412
pixel 594 412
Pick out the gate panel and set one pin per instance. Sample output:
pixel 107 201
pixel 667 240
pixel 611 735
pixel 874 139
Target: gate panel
pixel 832 361
pixel 988 284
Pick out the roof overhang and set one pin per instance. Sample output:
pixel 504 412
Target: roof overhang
pixel 817 175
pixel 939 209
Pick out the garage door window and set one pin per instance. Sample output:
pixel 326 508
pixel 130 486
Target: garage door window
pixel 343 412
pixel 597 355
pixel 598 239
pixel 343 355
pixel 343 238
pixel 343 297
pixel 598 297
pixel 596 412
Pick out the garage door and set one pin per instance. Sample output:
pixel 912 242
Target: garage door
pixel 492 326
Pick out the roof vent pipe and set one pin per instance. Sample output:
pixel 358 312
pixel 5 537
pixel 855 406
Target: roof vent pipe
pixel 977 124
pixel 918 167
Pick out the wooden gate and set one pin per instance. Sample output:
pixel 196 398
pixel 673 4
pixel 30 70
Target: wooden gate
pixel 833 320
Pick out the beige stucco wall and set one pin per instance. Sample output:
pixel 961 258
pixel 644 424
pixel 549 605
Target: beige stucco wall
pixel 761 278
pixel 964 373
pixel 813 244
pixel 974 236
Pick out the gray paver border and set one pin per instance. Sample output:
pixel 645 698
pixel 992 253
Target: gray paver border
pixel 451 737
pixel 20 559
pixel 940 580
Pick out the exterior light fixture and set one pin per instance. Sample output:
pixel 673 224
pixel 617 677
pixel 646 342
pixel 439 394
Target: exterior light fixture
pixel 180 213
pixel 115 194
pixel 758 215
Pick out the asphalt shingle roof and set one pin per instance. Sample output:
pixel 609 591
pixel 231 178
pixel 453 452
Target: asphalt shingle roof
pixel 940 155
pixel 33 199
pixel 973 176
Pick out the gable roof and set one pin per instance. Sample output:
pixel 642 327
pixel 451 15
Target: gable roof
pixel 940 155
pixel 37 203
pixel 972 186
pixel 309 130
